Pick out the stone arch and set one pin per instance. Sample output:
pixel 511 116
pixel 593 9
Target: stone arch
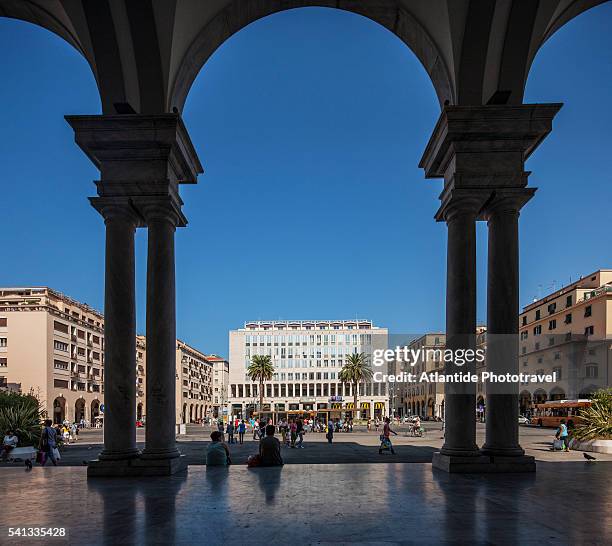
pixel 557 393
pixel 184 415
pixel 190 413
pixel 94 411
pixel 59 410
pixel 79 410
pixel 237 15
pixel 540 396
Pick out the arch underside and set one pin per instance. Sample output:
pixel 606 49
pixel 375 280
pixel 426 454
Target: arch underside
pixel 145 56
pixel 237 15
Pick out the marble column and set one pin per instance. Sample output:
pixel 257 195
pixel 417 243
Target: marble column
pixel 161 335
pixel 460 426
pixel 502 399
pixel 119 332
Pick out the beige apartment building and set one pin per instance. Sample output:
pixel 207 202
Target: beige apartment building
pixel 193 386
pixel 568 332
pixel 307 357
pixel 220 385
pixel 53 347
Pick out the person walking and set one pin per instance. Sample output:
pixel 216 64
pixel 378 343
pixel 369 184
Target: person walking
pixel 563 435
pixel 241 431
pixel 48 442
pixel 330 432
pixel 256 429
pixel 293 429
pixel 230 432
pixel 386 438
pixel 369 425
pixel 300 434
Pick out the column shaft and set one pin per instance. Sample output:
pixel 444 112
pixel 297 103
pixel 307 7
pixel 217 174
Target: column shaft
pixel 502 332
pixel 460 398
pixel 120 340
pixel 161 341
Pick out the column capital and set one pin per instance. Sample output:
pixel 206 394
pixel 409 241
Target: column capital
pixel 111 208
pixel 460 202
pixel 507 200
pixel 160 207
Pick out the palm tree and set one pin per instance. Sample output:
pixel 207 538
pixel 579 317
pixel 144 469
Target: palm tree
pixel 355 370
pixel 260 369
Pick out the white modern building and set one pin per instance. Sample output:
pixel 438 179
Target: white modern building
pixel 307 356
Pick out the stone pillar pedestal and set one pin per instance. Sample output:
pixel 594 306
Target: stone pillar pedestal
pixel 142 160
pixel 480 152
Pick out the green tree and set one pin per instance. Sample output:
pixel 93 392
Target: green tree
pixel 595 422
pixel 356 370
pixel 260 369
pixel 21 413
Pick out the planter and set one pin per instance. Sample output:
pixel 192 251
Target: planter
pixel 596 446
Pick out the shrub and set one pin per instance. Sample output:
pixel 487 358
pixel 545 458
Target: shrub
pixel 21 413
pixel 596 420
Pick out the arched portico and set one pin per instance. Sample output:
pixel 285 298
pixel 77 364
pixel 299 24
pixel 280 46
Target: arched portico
pixel 59 410
pixel 79 410
pixel 478 147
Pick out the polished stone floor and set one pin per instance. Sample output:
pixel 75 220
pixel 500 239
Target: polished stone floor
pixel 563 503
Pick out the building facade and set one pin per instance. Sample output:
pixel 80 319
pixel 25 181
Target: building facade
pixel 307 357
pixel 53 347
pixel 193 386
pixel 220 384
pixel 568 332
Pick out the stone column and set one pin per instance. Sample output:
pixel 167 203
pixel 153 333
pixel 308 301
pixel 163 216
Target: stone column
pixel 143 159
pixel 460 427
pixel 502 321
pixel 161 333
pixel 119 330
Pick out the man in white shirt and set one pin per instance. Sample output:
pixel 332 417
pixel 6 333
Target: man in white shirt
pixel 9 443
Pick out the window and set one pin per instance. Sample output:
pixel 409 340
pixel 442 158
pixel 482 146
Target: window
pixel 3 362
pixel 589 330
pixel 3 342
pixel 568 318
pixel 60 327
pixel 557 370
pixel 524 334
pixel 60 365
pixel 537 330
pixel 568 301
pixel 552 307
pixel 537 346
pixel 60 346
pixel 551 341
pixel 588 311
pixel 537 315
pixel 60 383
pixel 2 322
pixel 591 371
pixel 524 320
pixel 552 324
pixel 557 356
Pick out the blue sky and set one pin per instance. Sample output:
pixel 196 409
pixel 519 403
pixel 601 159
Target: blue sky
pixel 310 124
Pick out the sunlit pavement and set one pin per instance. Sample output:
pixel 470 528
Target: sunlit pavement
pixel 565 503
pixel 356 447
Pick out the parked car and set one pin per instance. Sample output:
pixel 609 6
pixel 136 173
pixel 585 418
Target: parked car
pixel 523 420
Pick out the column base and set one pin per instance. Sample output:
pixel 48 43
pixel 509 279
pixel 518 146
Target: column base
pixel 134 468
pixel 483 464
